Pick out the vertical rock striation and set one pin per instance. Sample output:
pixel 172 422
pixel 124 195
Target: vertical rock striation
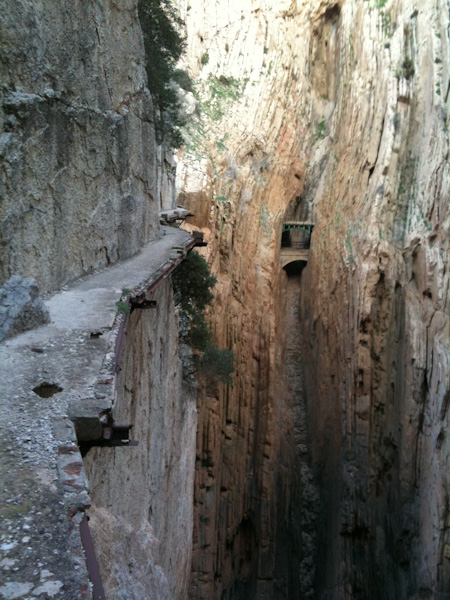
pixel 242 172
pixel 334 112
pixel 323 471
pixel 141 516
pixel 82 178
pixel 81 172
pixel 379 314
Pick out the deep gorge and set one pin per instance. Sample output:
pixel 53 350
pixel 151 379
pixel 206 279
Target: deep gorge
pixel 335 118
pixel 321 471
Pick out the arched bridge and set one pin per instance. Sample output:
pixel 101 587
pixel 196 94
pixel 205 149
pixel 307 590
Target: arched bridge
pixel 295 242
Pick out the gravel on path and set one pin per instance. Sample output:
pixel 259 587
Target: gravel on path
pixel 43 489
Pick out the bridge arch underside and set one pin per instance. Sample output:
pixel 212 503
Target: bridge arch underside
pixel 293 266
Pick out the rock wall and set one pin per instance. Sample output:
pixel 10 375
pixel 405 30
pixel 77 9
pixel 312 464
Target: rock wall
pixel 334 112
pixel 142 512
pixel 322 471
pixel 81 174
pixel 379 308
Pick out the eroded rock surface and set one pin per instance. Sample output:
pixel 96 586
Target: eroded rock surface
pixel 323 471
pixel 333 112
pixel 81 173
pixel 20 307
pixel 142 513
pixel 50 378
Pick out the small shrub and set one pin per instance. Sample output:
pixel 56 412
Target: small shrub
pixel 204 59
pixel 183 79
pixel 408 68
pixel 225 80
pixel 226 88
pixel 199 332
pixel 320 135
pixel 122 307
pixel 193 284
pixel 216 363
pixel 386 24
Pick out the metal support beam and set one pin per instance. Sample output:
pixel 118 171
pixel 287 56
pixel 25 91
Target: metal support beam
pixel 163 273
pixel 143 304
pixel 112 436
pixel 98 592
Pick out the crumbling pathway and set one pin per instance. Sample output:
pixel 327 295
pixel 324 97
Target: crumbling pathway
pixel 69 365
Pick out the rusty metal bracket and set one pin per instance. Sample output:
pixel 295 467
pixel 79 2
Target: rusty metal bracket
pixel 112 436
pixel 143 304
pixel 98 592
pixel 164 272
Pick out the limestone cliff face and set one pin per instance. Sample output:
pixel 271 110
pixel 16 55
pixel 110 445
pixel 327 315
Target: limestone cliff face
pixel 142 514
pixel 378 311
pixel 322 471
pixel 81 173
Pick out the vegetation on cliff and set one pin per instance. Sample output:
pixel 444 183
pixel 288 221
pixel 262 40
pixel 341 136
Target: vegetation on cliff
pixel 164 45
pixel 193 284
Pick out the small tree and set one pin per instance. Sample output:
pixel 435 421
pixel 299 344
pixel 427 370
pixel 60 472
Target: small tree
pixel 199 331
pixel 193 284
pixel 163 45
pixel 217 363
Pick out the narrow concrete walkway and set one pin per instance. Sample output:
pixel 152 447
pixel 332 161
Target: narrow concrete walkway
pixel 43 490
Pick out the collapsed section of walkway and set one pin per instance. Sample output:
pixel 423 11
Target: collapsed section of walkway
pixel 59 386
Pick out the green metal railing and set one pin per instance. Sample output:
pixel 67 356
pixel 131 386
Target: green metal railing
pixel 297 244
pixel 299 226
